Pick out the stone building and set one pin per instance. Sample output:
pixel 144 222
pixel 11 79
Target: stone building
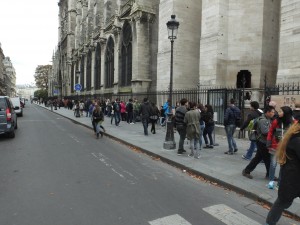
pixel 121 46
pixel 2 84
pixel 9 78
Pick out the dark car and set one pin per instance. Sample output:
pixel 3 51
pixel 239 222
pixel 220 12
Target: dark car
pixel 8 117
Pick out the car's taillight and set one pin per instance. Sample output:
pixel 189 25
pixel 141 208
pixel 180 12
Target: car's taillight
pixel 8 115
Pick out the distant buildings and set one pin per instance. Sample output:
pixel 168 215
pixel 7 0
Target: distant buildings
pixel 7 76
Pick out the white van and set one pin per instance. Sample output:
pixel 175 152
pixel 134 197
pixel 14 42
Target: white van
pixel 17 103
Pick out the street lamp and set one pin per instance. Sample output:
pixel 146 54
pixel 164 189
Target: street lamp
pixel 172 26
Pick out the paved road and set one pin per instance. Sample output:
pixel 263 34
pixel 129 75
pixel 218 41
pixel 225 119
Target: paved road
pixel 56 172
pixel 214 165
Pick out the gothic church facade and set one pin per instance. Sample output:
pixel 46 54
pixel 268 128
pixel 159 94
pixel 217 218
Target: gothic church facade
pixel 121 46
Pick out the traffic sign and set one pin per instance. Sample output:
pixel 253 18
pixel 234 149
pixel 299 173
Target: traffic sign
pixel 77 87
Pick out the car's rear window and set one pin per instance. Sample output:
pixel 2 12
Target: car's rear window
pixel 2 104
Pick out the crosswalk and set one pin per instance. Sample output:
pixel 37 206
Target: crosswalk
pixel 221 212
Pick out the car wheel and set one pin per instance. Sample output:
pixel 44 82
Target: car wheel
pixel 11 134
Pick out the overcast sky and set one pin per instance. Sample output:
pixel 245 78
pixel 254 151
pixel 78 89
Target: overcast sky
pixel 28 34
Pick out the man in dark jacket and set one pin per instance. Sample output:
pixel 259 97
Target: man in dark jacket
pixel 231 115
pixel 180 125
pixel 255 112
pixel 145 112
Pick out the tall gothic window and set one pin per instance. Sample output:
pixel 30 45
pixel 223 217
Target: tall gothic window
pixel 97 69
pixel 126 56
pixel 82 73
pixel 88 71
pixel 109 63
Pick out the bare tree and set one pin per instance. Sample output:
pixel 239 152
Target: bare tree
pixel 42 73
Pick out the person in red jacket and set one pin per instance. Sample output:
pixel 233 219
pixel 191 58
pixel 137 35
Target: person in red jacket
pixel 275 134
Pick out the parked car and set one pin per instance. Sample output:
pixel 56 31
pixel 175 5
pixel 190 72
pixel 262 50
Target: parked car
pixel 8 117
pixel 17 103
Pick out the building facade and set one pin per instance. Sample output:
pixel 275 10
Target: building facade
pixel 9 78
pixel 121 46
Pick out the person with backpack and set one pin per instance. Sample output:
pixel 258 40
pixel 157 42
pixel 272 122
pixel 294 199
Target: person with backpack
pixel 277 129
pixel 129 109
pixel 117 111
pixel 263 126
pixel 254 113
pixel 145 112
pixel 288 155
pixel 231 121
pixel 98 118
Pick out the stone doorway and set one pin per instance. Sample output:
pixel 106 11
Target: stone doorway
pixel 243 79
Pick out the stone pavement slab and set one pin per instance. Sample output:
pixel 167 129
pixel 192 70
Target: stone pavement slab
pixel 213 165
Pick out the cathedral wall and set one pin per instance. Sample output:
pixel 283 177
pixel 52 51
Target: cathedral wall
pixel 289 48
pixel 186 46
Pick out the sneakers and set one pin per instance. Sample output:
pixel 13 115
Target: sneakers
pixel 191 155
pixel 244 157
pixel 248 175
pixel 228 153
pixel 208 146
pixel 131 123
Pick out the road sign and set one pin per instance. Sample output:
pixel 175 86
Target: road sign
pixel 77 87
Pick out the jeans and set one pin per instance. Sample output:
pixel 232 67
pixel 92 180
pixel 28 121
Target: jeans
pixel 251 149
pixel 201 135
pixel 129 117
pixel 261 154
pixel 182 133
pixel 273 164
pixel 98 126
pixel 145 125
pixel 117 116
pixel 208 131
pixel 276 211
pixel 230 129
pixel 194 144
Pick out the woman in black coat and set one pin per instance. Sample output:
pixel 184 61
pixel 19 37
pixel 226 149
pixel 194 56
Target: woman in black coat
pixel 208 117
pixel 288 154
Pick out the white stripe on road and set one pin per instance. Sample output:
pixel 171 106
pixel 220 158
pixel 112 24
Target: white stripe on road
pixel 229 216
pixel 174 220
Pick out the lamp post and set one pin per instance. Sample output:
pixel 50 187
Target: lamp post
pixel 172 26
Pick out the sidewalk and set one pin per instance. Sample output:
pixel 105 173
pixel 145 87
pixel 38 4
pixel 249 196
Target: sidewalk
pixel 213 165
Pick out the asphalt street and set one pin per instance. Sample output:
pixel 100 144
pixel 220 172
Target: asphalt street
pixel 56 172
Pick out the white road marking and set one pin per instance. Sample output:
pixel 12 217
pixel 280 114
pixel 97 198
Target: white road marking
pixel 229 216
pixel 173 219
pixel 103 159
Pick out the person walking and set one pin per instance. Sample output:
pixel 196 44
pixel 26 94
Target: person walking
pixel 254 113
pixel 153 117
pixel 288 155
pixel 208 117
pixel 232 114
pixel 263 126
pixel 275 134
pixel 145 112
pixel 180 125
pixel 129 109
pixel 98 117
pixel 117 111
pixel 192 121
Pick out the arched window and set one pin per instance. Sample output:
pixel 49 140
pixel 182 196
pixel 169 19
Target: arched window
pixel 109 63
pixel 82 73
pixel 97 69
pixel 89 71
pixel 126 56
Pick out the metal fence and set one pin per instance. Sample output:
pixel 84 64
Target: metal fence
pixel 217 97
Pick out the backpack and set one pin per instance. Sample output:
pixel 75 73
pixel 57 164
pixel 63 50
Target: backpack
pixel 252 129
pixel 237 117
pixel 117 107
